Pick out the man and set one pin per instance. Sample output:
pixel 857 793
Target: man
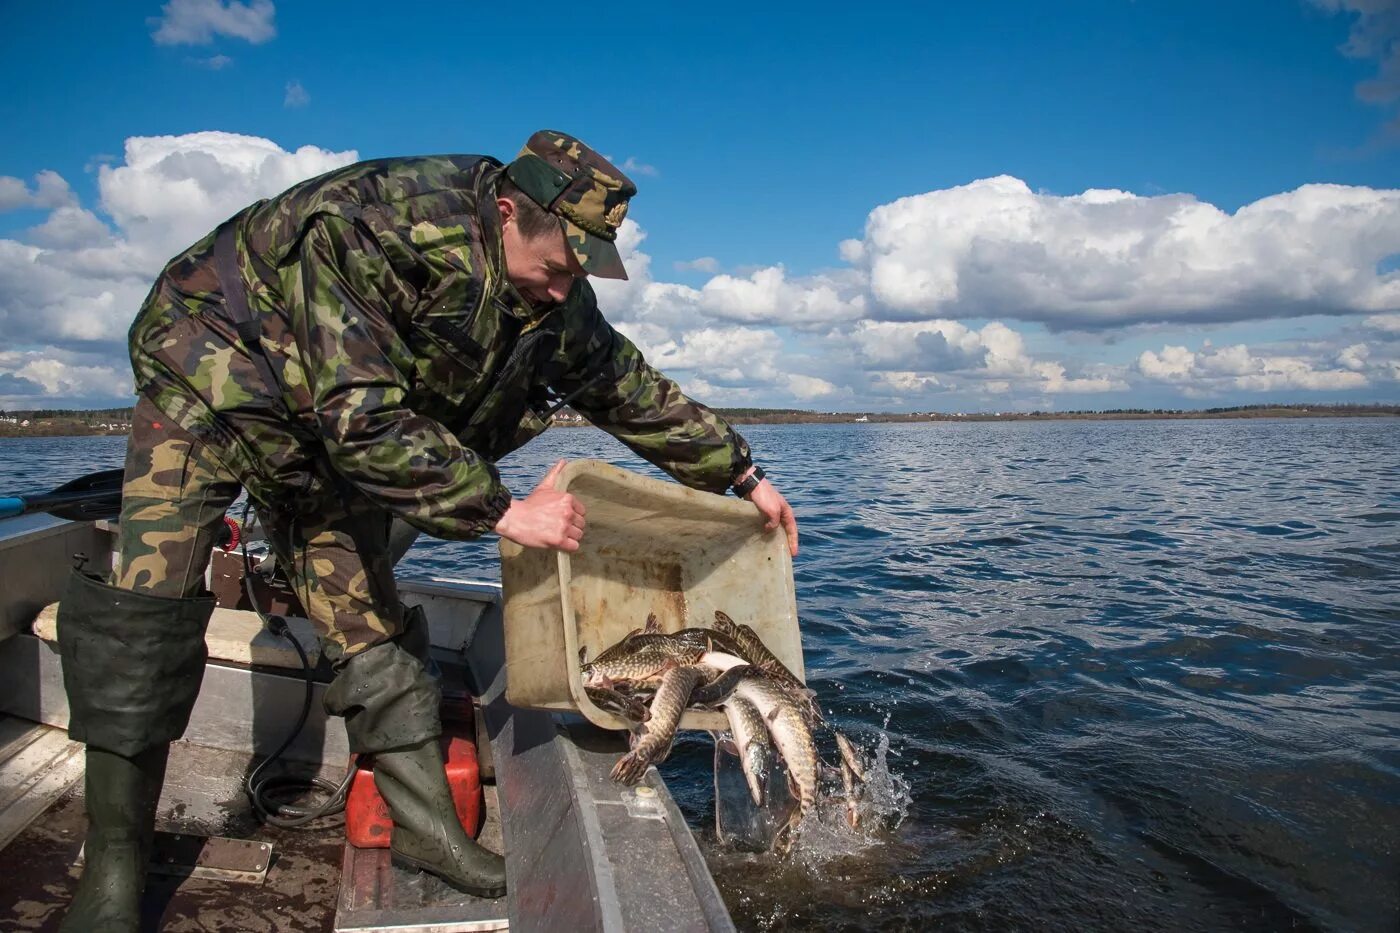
pixel 359 348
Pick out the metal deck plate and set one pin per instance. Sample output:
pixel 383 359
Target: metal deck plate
pixel 190 856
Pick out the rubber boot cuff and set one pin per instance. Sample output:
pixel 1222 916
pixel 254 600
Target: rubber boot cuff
pixel 132 663
pixel 386 693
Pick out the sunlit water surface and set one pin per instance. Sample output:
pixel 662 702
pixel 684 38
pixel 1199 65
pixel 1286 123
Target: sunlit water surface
pixel 1118 674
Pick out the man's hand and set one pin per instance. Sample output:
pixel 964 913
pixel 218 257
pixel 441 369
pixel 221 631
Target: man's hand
pixel 545 518
pixel 776 509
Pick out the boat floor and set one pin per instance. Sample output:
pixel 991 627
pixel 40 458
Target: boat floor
pixel 43 823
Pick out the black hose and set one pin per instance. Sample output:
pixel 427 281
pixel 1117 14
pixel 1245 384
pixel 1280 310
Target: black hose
pixel 285 815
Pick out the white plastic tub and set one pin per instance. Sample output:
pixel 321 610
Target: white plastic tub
pixel 649 547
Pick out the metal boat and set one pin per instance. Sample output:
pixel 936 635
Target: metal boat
pixel 582 853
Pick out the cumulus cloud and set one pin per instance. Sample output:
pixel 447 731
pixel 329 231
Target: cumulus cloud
pixel 733 356
pixel 50 191
pixel 70 227
pixel 1211 369
pixel 1387 325
pixel 911 356
pixel 171 190
pixel 995 248
pixel 807 388
pixel 76 280
pixel 31 379
pixel 197 22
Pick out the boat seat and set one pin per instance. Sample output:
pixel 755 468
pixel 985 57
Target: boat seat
pixel 235 636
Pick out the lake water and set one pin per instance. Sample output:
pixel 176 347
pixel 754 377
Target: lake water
pixel 1122 675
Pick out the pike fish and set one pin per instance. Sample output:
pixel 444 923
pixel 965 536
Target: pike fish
pixel 852 777
pixel 671 699
pixel 750 732
pixel 786 720
pixel 693 684
pixel 752 649
pixel 638 659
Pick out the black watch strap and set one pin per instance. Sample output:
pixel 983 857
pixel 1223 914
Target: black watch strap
pixel 749 483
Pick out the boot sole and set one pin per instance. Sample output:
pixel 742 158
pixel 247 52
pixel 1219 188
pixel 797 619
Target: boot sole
pixel 404 861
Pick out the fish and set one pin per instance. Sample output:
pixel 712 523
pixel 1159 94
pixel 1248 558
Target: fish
pixel 787 722
pixel 750 732
pixel 614 700
pixel 637 659
pixel 659 732
pixel 852 776
pixel 751 648
pixel 849 756
pixel 718 686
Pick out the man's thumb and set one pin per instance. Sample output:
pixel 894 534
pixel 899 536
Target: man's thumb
pixel 553 474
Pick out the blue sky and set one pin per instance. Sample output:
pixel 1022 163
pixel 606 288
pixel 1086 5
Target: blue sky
pixel 762 137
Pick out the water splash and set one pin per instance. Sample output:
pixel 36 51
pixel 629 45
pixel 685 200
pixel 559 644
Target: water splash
pixel 883 803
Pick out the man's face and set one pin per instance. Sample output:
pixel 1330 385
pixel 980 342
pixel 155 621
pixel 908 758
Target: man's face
pixel 543 268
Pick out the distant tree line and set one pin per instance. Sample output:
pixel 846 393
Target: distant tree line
pixel 86 415
pixel 61 421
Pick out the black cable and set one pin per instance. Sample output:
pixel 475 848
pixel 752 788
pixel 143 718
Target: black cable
pixel 285 815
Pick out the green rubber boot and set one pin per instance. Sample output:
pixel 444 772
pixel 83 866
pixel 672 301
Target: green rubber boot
pixel 390 698
pixel 132 666
pixel 121 797
pixel 427 834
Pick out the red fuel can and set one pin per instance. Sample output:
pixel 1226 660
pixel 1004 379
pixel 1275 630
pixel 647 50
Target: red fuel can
pixel 367 820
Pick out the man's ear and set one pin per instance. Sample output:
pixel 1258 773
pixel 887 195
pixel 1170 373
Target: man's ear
pixel 506 208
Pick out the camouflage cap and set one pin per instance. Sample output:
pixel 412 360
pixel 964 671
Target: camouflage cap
pixel 587 192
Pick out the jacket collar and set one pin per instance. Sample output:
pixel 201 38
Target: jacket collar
pixel 503 294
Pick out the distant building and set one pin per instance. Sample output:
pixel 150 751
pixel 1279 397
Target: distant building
pixel 862 419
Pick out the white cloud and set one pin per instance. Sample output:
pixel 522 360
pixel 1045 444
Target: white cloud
pixel 1354 357
pixel 901 383
pixel 886 327
pixel 50 192
pixel 809 387
pixel 1104 258
pixel 633 167
pixel 729 356
pixel 704 264
pixel 171 190
pixel 70 227
pixel 925 346
pixel 296 95
pixel 79 280
pixel 908 355
pixel 1237 367
pixel 213 62
pixel 768 296
pixel 197 22
pixel 1384 324
pixel 34 379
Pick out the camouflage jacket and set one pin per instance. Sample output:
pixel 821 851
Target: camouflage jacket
pixel 407 364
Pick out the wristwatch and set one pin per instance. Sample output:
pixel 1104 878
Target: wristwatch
pixel 749 483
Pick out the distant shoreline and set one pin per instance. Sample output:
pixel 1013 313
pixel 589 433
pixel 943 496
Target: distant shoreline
pixel 116 422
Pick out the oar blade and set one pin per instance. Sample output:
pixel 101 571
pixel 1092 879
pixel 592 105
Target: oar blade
pixel 85 499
